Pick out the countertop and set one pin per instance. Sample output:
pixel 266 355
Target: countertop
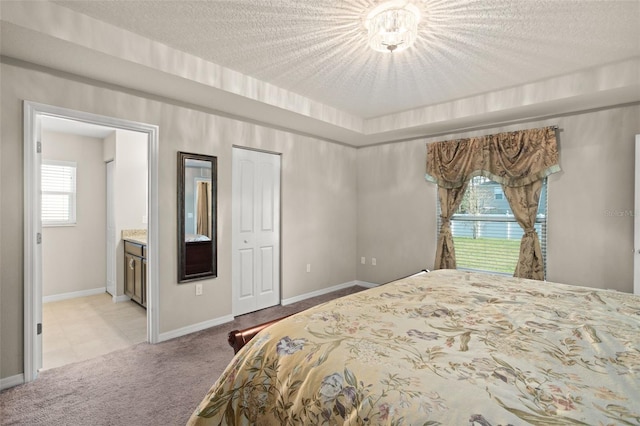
pixel 136 236
pixel 137 239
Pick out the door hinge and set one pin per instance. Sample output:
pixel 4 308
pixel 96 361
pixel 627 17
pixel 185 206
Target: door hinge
pixel 39 238
pixel 39 328
pixel 39 147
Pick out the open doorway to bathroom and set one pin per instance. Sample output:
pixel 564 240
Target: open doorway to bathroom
pixel 90 183
pixel 94 192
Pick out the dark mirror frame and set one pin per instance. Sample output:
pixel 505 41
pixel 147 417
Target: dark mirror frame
pixel 197 260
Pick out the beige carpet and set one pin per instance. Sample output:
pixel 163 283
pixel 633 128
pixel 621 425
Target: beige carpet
pixel 142 385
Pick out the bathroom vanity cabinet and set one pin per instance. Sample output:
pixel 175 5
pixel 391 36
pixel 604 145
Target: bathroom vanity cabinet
pixel 135 275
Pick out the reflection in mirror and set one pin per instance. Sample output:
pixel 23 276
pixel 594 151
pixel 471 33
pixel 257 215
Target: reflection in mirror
pixel 197 243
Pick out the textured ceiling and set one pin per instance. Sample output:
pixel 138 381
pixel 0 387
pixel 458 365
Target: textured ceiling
pixel 318 48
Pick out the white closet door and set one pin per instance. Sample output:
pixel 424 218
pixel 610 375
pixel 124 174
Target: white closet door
pixel 255 230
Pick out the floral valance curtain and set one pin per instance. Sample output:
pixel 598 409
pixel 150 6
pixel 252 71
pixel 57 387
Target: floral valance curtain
pixel 512 159
pixel 516 160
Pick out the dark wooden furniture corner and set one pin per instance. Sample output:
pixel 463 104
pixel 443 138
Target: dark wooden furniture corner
pixel 238 338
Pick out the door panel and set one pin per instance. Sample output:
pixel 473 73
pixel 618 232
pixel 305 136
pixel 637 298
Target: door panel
pixel 246 274
pixel 246 195
pixel 266 266
pixel 255 230
pixel 267 197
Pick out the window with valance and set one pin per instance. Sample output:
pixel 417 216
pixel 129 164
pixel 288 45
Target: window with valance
pixel 518 161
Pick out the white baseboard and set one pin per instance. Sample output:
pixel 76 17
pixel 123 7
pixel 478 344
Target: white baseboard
pixel 228 318
pixel 121 298
pixel 305 296
pixel 73 295
pixel 9 382
pixel 366 284
pixel 193 328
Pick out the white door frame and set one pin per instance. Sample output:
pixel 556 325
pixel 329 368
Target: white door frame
pixel 110 233
pixel 636 222
pixel 33 112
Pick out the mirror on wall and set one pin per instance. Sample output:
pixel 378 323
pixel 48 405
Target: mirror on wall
pixel 197 242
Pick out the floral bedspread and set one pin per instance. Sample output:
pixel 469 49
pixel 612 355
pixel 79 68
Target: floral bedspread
pixel 447 347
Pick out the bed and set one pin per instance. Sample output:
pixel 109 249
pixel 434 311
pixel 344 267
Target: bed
pixel 447 347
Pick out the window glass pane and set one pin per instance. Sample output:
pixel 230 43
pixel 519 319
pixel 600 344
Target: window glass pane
pixel 486 235
pixel 55 207
pixel 57 178
pixel 484 196
pixel 58 187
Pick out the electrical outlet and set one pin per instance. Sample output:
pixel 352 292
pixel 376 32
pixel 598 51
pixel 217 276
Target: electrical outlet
pixel 308 267
pixel 198 289
pixel 373 261
pixel 363 260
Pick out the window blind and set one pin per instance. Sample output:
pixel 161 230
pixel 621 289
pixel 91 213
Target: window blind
pixel 486 235
pixel 58 189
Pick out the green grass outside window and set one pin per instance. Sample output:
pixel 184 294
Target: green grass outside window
pixel 480 254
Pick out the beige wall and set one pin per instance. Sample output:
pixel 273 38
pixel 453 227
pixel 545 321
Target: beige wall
pixel 73 257
pixel 129 191
pixel 318 199
pixel 590 238
pixel 396 211
pixel 586 244
pixel 128 151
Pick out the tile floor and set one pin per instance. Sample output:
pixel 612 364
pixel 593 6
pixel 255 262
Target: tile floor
pixel 87 327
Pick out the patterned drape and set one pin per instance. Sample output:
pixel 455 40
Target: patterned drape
pixel 203 207
pixel 516 160
pixel 524 201
pixel 450 199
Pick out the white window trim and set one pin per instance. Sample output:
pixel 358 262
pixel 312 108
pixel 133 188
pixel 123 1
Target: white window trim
pixel 73 195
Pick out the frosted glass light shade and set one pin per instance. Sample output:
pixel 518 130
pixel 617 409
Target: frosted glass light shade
pixel 393 26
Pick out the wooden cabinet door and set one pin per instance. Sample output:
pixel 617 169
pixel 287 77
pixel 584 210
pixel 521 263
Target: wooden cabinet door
pixel 133 278
pixel 129 275
pixel 144 283
pixel 137 284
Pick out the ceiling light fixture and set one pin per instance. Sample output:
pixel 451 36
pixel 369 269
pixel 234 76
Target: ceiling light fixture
pixel 392 26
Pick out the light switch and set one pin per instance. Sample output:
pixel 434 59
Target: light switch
pixel 363 260
pixel 373 261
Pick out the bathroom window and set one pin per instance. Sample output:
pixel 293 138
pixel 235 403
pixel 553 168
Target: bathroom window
pixel 58 189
